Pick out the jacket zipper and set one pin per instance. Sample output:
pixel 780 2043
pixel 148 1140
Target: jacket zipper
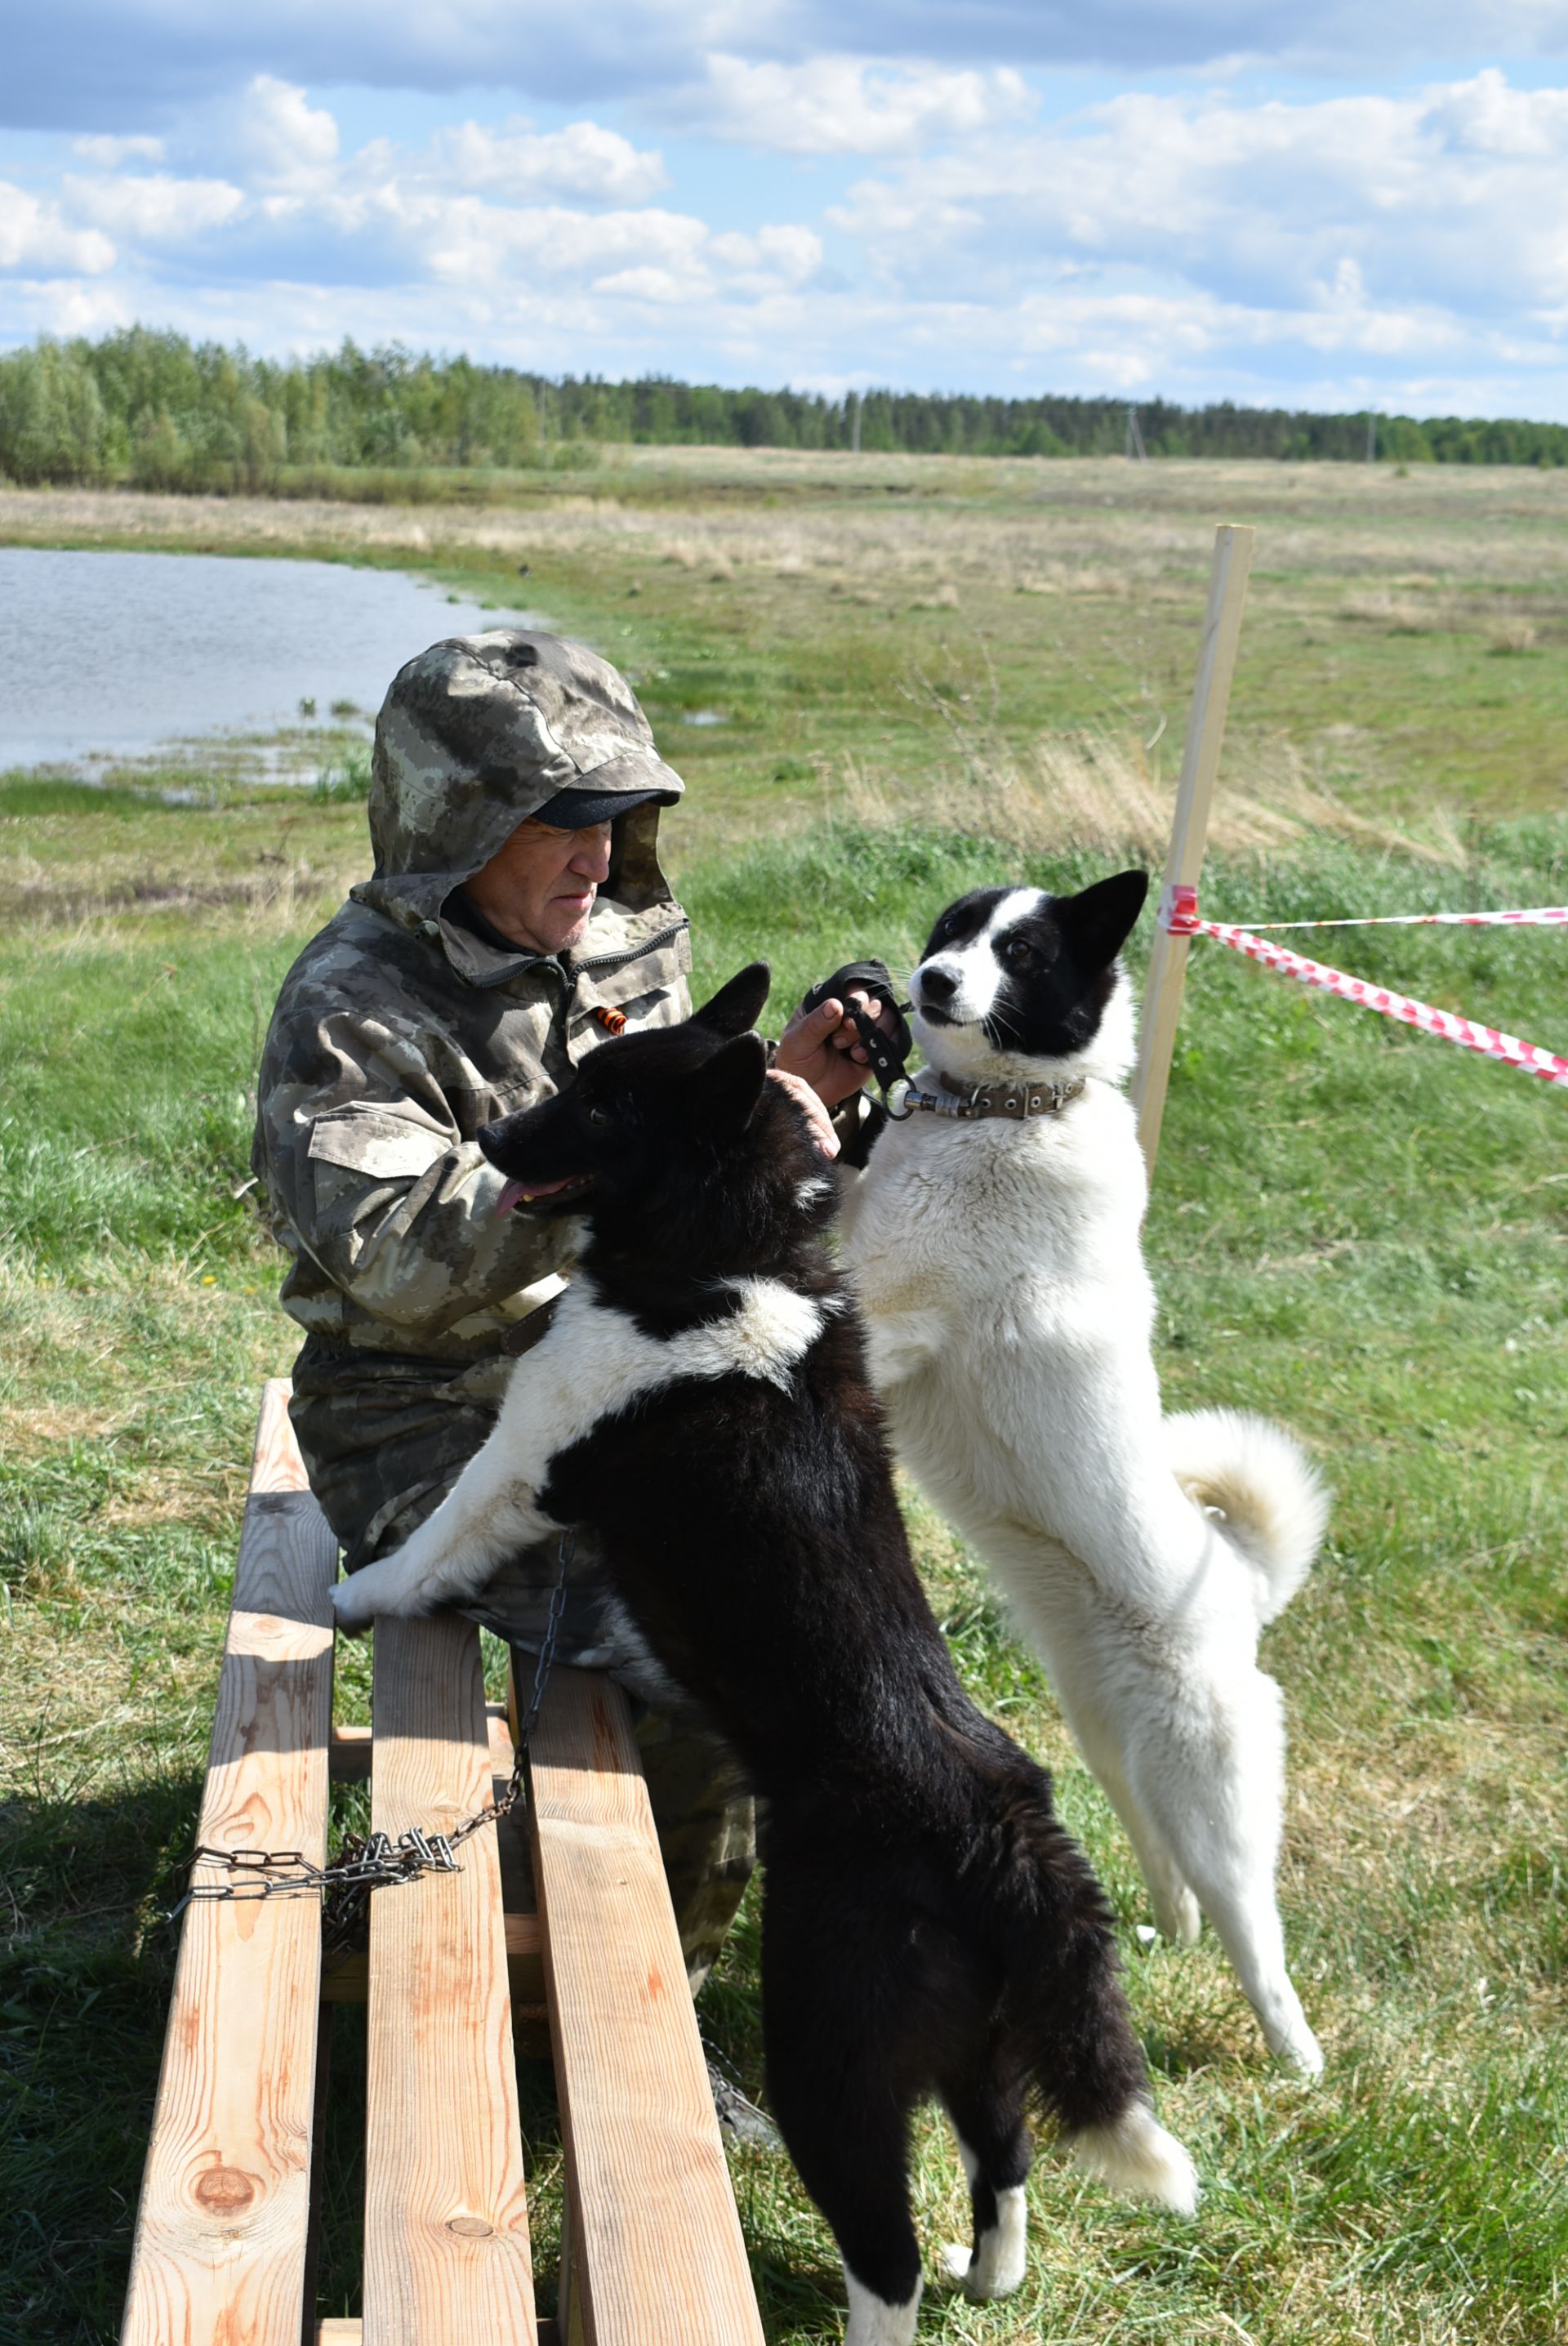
pixel 632 952
pixel 569 977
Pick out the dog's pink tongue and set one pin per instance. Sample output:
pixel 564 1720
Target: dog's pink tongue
pixel 514 1190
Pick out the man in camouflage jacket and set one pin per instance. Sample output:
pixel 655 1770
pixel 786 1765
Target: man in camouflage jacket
pixel 408 1022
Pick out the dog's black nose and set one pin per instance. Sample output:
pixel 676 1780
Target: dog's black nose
pixel 936 985
pixel 487 1135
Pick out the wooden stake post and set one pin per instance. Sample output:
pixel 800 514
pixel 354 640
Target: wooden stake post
pixel 1190 830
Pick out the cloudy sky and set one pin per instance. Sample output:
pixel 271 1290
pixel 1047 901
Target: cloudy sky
pixel 1357 202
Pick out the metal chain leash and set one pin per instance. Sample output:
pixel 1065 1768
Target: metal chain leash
pixel 374 1861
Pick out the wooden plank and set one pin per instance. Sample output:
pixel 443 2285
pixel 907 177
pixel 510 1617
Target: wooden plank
pixel 1189 830
pixel 221 2235
pixel 658 2259
pixel 343 2330
pixel 349 1755
pixel 348 1980
pixel 446 2224
pixel 352 1748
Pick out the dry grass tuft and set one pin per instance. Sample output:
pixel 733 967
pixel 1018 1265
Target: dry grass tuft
pixel 27 1430
pixel 1397 613
pixel 1096 788
pixel 1513 636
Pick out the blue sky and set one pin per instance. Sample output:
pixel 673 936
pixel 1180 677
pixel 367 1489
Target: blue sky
pixel 1200 198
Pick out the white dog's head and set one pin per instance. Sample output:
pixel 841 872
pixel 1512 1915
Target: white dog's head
pixel 1015 982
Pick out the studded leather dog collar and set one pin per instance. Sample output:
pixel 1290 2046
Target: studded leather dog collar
pixel 1016 1102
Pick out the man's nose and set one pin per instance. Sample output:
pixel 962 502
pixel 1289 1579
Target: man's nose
pixel 591 856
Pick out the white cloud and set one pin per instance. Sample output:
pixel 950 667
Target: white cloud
pixel 284 141
pixel 849 105
pixel 34 237
pixel 155 209
pixel 662 286
pixel 1485 116
pixel 1455 197
pixel 583 159
pixel 109 154
pixel 72 305
pixel 464 240
pixel 774 255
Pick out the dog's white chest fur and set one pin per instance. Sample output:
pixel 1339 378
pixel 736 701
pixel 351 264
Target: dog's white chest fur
pixel 1010 1320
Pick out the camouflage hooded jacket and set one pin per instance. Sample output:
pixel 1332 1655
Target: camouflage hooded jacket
pixel 398 1032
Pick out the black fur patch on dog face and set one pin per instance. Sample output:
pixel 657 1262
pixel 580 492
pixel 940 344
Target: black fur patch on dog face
pixel 1032 973
pixel 673 1146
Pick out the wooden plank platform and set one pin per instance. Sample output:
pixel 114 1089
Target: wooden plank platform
pixel 223 2254
pixel 220 2250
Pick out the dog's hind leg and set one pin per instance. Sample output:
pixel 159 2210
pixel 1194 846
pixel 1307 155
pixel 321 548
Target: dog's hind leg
pixel 1060 1617
pixel 1189 1745
pixel 1209 1768
pixel 847 2138
pixel 834 2039
pixel 995 2146
pixel 1176 1909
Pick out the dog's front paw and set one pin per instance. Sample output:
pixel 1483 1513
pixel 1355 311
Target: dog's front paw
pixel 353 1609
pixel 385 1587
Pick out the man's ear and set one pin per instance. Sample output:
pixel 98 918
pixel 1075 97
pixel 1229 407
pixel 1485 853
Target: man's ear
pixel 726 1090
pixel 736 1007
pixel 1098 921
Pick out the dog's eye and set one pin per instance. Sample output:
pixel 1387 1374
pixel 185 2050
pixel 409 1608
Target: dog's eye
pixel 1017 954
pixel 599 1115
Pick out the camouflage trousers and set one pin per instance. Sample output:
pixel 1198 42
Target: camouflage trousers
pixel 382 1454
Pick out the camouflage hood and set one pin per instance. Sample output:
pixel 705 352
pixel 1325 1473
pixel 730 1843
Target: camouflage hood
pixel 476 734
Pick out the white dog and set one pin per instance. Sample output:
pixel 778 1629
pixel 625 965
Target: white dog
pixel 997 1257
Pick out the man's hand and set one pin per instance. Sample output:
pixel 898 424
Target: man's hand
pixel 824 1139
pixel 819 1045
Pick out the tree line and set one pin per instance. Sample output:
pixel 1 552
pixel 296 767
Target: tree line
pixel 153 410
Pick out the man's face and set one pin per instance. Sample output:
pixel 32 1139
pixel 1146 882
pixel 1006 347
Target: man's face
pixel 539 889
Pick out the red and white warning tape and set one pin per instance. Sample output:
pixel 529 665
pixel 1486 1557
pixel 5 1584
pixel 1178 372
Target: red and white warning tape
pixel 1180 915
pixel 1542 916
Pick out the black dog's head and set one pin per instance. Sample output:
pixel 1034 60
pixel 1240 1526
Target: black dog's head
pixel 1012 978
pixel 671 1139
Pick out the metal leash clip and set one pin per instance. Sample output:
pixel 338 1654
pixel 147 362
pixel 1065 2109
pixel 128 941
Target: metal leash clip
pixel 888 1054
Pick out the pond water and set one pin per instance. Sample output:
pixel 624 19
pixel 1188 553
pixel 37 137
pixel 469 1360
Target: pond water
pixel 116 656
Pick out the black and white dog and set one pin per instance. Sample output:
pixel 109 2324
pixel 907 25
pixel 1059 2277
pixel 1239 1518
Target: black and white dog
pixel 701 1404
pixel 1010 1317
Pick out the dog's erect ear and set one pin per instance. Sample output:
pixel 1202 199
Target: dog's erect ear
pixel 726 1090
pixel 1098 921
pixel 736 1007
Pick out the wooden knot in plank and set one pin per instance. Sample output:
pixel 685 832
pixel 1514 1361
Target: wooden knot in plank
pixel 224 2191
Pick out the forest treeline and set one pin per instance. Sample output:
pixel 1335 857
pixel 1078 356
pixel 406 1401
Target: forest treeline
pixel 153 410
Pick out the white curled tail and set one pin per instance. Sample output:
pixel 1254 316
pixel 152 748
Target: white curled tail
pixel 1272 1502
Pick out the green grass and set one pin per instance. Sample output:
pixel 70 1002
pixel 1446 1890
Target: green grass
pixel 1357 1228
